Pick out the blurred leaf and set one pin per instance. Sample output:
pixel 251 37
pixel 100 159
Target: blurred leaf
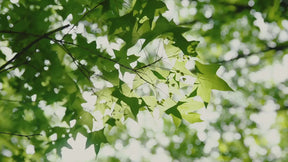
pixel 96 138
pixel 192 117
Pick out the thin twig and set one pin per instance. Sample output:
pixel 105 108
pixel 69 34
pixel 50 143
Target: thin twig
pixel 252 53
pixel 8 100
pixel 21 135
pixel 148 65
pixel 2 67
pixel 84 15
pixel 78 64
pixel 99 55
pixel 15 66
pixel 62 43
pixel 18 32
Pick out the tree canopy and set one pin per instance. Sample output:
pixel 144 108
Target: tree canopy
pixel 125 55
pixel 70 67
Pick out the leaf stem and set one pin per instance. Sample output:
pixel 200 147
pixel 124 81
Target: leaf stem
pixel 148 65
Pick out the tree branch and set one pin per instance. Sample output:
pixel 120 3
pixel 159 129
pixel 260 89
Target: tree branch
pixel 21 135
pixel 149 64
pixel 84 15
pixel 17 32
pixel 80 66
pixel 8 100
pixel 2 67
pixel 277 48
pixel 62 43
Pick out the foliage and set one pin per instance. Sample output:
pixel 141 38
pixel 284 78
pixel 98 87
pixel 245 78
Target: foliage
pixel 249 39
pixel 124 55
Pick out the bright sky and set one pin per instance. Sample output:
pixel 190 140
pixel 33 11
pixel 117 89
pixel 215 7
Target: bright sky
pixel 78 153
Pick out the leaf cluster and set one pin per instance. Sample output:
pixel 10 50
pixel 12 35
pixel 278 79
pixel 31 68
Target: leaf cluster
pixel 128 59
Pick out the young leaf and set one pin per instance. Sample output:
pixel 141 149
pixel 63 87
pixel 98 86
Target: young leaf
pixel 150 101
pixel 192 117
pixel 177 121
pixel 190 105
pixel 208 80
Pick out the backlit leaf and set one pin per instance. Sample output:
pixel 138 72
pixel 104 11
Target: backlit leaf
pixel 208 80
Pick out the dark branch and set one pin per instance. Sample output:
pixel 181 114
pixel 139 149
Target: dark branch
pixel 80 66
pixel 84 15
pixel 62 43
pixel 21 135
pixel 8 100
pixel 15 66
pixel 277 48
pixel 2 67
pixel 17 32
pixel 148 65
pixel 92 52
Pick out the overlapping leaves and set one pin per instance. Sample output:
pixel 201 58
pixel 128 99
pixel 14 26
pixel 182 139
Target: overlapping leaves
pixel 57 71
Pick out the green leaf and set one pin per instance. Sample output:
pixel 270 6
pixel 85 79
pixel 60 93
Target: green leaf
pixel 192 117
pixel 132 102
pixel 180 67
pixel 173 110
pixel 188 47
pixel 73 7
pixel 96 138
pixel 158 75
pixel 193 93
pixel 123 27
pixel 177 121
pixel 150 10
pixel 111 76
pixel 150 101
pixel 85 118
pixel 189 105
pixel 162 26
pixel 58 145
pixel 184 110
pixel 126 60
pixel 111 121
pixel 187 108
pixel 208 80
